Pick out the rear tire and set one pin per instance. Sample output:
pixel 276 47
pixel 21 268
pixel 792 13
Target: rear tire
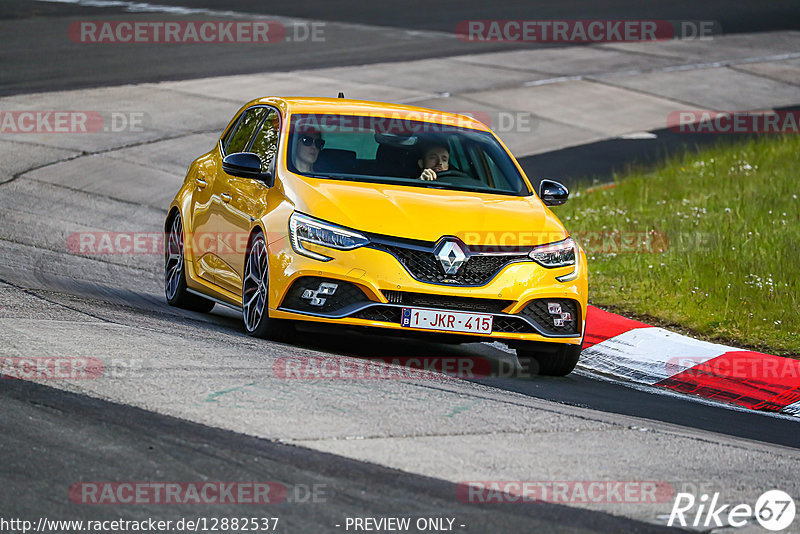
pixel 561 362
pixel 255 295
pixel 175 271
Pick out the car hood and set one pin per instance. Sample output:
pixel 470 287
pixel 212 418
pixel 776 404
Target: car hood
pixel 427 214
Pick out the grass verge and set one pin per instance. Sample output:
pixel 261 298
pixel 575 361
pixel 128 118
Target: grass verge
pixel 708 241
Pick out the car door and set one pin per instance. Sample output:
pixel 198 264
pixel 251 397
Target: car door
pixel 219 240
pixel 245 199
pixel 198 241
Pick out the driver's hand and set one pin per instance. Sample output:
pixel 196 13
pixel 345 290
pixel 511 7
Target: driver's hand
pixel 428 174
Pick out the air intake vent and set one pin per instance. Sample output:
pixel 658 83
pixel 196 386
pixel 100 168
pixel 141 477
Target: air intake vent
pixel 394 297
pixel 447 302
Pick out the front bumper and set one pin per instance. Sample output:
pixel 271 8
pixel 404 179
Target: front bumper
pixel 386 287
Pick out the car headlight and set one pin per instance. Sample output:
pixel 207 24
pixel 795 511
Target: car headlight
pixel 305 229
pixel 551 255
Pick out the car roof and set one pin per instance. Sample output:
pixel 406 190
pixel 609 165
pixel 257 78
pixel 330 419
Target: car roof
pixel 346 106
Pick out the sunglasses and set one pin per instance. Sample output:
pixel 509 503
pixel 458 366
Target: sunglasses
pixel 309 140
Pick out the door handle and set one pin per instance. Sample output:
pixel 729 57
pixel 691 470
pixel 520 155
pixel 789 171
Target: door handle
pixel 200 182
pixel 225 197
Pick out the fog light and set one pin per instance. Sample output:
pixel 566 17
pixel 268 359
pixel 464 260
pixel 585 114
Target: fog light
pixel 325 288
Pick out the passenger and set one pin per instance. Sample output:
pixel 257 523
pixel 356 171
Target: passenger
pixel 435 158
pixel 306 150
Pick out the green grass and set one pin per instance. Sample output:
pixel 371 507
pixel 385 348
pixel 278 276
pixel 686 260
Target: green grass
pixel 730 271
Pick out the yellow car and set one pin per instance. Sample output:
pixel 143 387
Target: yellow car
pixel 376 215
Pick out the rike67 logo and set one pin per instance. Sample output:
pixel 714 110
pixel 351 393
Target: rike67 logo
pixel 774 510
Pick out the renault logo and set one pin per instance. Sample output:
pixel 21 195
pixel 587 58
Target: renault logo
pixel 451 255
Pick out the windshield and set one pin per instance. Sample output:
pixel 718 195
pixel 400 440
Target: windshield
pixel 401 151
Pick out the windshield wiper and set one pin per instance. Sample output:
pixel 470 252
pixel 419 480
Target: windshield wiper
pixel 323 176
pixel 433 186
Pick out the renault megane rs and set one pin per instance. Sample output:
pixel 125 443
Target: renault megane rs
pixel 376 215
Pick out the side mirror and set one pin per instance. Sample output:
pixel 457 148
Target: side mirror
pixel 245 165
pixel 553 193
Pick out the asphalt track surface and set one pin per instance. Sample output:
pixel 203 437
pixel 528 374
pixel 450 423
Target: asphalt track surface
pixel 78 438
pixel 38 56
pixel 52 438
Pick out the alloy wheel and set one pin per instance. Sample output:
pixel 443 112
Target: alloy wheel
pixel 254 290
pixel 173 267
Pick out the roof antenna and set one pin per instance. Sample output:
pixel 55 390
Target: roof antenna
pixel 341 94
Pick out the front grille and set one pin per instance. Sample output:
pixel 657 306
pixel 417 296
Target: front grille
pixel 346 294
pixel 388 314
pixel 512 325
pixel 538 312
pixel 423 265
pixel 447 302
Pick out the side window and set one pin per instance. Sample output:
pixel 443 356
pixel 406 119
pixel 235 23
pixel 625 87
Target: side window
pixel 243 131
pixel 266 142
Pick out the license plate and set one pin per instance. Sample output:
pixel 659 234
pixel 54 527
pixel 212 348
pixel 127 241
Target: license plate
pixel 479 323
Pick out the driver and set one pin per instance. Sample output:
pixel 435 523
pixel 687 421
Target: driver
pixel 435 158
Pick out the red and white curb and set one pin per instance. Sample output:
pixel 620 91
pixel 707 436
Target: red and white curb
pixel 637 352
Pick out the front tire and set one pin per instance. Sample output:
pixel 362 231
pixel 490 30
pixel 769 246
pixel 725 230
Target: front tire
pixel 255 295
pixel 561 362
pixel 175 271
